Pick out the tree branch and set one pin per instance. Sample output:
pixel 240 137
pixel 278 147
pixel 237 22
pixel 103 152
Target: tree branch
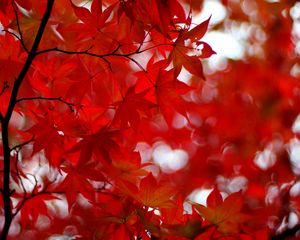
pixel 113 53
pixel 6 118
pixel 104 56
pixel 21 39
pixel 59 99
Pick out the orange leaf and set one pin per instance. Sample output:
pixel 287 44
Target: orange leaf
pixel 226 215
pixel 153 195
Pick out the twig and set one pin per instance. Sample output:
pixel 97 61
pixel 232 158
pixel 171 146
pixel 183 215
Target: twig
pixel 19 28
pixel 113 53
pixel 30 197
pixel 60 99
pixel 5 86
pixel 12 33
pixel 137 63
pixel 18 175
pixel 35 182
pixel 19 146
pixel 104 56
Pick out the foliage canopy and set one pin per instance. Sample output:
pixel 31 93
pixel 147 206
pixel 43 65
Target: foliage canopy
pixel 114 122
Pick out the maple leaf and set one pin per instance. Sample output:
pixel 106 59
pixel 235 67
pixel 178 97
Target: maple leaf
pixel 197 32
pixel 168 95
pixel 35 206
pixel 47 138
pixel 226 215
pixel 162 14
pixel 76 182
pixel 126 166
pixel 53 77
pixel 188 230
pixel 99 145
pixel 91 28
pixel 178 224
pixel 153 195
pixel 28 22
pixel 166 91
pixel 11 62
pixel 159 14
pixel 96 15
pixel 85 58
pixel 131 107
pixel 181 56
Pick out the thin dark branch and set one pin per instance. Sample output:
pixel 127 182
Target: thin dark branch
pixel 21 39
pixel 18 175
pixel 104 56
pixel 137 63
pixel 113 53
pixel 5 86
pixel 143 42
pixel 107 62
pixel 19 146
pixel 35 182
pixel 59 99
pixel 117 48
pixel 32 196
pixel 12 33
pixel 56 49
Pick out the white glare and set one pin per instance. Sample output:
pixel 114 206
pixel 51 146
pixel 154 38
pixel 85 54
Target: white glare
pixel 214 8
pixel 144 150
pixel 211 8
pixel 296 125
pixel 200 196
pixel 231 185
pixel 292 219
pixel 225 45
pixel 294 152
pixel 265 159
pixel 179 121
pixel 272 194
pixel 61 133
pixel 295 190
pixel 170 160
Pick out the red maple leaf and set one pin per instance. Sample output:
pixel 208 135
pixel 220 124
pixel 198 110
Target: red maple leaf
pixel 131 108
pixel 182 53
